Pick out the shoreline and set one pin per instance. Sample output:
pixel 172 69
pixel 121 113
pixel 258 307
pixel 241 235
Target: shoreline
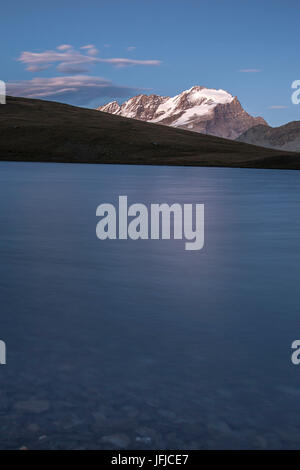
pixel 178 165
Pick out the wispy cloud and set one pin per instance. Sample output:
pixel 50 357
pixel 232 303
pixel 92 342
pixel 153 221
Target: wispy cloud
pixel 78 89
pixel 70 60
pixel 64 47
pixel 249 70
pixel 37 67
pixel 131 48
pixel 90 49
pixel 278 106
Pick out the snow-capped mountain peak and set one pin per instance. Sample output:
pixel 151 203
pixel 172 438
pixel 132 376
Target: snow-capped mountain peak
pixel 197 101
pixel 199 109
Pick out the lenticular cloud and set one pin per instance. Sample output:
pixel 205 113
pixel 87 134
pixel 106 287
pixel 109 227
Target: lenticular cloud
pixel 79 89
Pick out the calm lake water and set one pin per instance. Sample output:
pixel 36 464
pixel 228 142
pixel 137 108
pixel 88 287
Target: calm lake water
pixel 141 344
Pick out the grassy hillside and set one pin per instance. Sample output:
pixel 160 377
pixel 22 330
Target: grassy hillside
pixel 44 131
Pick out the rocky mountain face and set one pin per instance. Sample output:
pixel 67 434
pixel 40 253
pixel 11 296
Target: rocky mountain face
pixel 199 109
pixel 285 137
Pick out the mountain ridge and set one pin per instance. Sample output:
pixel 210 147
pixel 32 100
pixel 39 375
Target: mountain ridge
pixel 285 137
pixel 200 109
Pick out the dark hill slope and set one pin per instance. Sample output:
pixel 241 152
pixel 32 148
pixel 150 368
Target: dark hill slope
pixel 44 131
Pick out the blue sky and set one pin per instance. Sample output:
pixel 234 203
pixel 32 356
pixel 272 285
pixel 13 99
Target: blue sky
pixel 247 47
